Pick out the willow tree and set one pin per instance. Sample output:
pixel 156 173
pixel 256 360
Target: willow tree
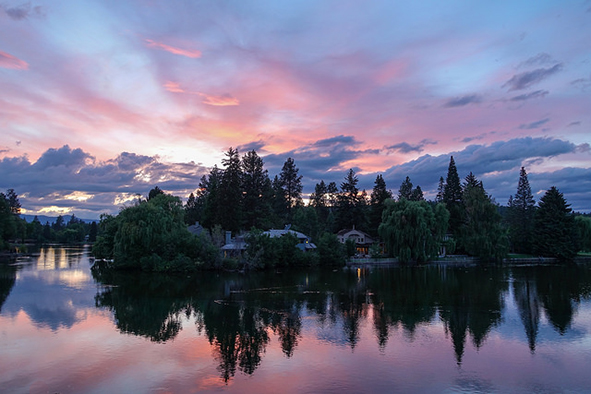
pixel 413 230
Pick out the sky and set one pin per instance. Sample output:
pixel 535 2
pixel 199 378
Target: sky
pixel 100 101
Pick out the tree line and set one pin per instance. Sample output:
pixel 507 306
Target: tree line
pixel 64 230
pixel 241 196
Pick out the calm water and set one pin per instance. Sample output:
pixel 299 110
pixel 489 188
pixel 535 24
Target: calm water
pixel 425 330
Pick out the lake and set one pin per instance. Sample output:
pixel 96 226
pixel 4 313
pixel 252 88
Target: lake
pixel 430 329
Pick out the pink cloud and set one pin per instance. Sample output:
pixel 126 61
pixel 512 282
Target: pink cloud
pixel 12 62
pixel 192 53
pixel 224 100
pixel 221 101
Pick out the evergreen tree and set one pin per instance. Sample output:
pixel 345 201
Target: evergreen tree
pixel 417 194
pixel 350 209
pixel 156 191
pixel 452 197
pixel 481 234
pixel 291 183
pixel 555 233
pixel 230 196
pixel 440 189
pixel 379 195
pixel 13 201
pixel 209 192
pixel 256 188
pixel 192 210
pixel 520 216
pixel 405 190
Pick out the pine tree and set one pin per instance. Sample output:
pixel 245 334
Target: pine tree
pixel 555 232
pixel 440 188
pixel 520 215
pixel 291 183
pixel 231 192
pixel 255 191
pixel 349 211
pixel 405 190
pixel 379 195
pixel 482 233
pixel 452 197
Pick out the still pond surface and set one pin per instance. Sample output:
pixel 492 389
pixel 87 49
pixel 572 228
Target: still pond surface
pixel 371 330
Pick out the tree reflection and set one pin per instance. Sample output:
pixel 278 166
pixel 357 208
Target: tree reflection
pixel 240 313
pixel 7 280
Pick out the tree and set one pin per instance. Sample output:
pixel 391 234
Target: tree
pixel 379 195
pixel 230 196
pixel 520 216
pixel 350 204
pixel 156 191
pixel 412 230
pixel 452 197
pixel 192 210
pixel 405 190
pixel 256 190
pixel 555 233
pixel 13 201
pixel 584 226
pixel 291 184
pixel 481 234
pixel 440 189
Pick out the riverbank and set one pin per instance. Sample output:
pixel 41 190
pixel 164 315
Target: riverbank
pixel 462 261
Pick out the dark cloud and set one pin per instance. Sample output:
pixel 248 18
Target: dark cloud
pixel 583 148
pixel 405 147
pixel 254 145
pixel 339 139
pixel 477 137
pixel 534 125
pixel 538 60
pixel 577 123
pixel 532 95
pixel 528 78
pixel 22 11
pixel 462 101
pixel 73 178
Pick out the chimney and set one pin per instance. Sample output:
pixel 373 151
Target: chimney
pixel 228 237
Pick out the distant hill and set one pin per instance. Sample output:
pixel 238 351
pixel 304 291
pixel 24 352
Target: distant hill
pixel 51 219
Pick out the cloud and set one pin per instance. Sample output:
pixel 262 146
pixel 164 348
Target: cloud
pixel 405 147
pixel 61 176
pixel 12 62
pixel 477 137
pixel 462 101
pixel 254 145
pixel 224 100
pixel 22 11
pixel 538 60
pixel 577 123
pixel 220 101
pixel 534 125
pixel 532 95
pixel 191 53
pixel 528 78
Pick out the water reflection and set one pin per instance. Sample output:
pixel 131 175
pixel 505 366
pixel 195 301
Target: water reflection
pixel 51 287
pixel 239 314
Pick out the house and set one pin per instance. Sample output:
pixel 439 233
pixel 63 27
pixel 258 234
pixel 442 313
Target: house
pixel 237 245
pixel 363 241
pixel 304 242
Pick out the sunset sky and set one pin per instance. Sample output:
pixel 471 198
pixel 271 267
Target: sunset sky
pixel 103 100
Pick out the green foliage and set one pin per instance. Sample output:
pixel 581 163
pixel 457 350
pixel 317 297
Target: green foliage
pixel 584 226
pixel 555 232
pixel 262 251
pixel 152 236
pixel 520 216
pixel 351 204
pixel 256 192
pixel 290 183
pixel 379 195
pixel 350 247
pixel 412 230
pixel 11 225
pixel 330 251
pixel 452 197
pixel 482 234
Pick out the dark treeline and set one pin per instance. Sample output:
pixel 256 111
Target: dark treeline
pixel 68 229
pixel 238 314
pixel 241 196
